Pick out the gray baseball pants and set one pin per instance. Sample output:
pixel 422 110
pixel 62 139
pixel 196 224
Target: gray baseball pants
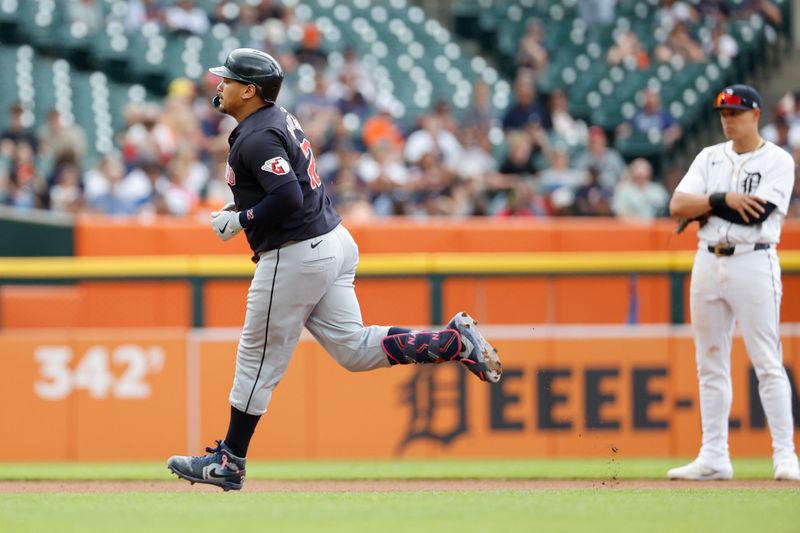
pixel 308 283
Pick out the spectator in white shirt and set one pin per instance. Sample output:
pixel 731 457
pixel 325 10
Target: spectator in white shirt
pixel 433 139
pixel 639 196
pixel 186 17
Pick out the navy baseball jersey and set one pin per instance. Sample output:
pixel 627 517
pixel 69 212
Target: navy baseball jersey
pixel 269 149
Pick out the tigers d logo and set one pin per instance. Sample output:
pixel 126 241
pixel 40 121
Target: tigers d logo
pixel 750 182
pixel 436 397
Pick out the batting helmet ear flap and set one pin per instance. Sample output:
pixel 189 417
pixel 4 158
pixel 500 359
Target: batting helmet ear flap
pixel 248 65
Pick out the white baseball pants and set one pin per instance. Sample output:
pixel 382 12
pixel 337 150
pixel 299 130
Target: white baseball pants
pixel 746 288
pixel 309 283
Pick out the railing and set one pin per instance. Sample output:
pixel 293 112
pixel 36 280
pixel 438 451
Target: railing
pixel 197 270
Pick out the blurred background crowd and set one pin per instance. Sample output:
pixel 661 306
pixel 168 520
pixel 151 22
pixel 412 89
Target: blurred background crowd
pixel 532 158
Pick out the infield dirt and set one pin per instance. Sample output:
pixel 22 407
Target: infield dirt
pixel 261 485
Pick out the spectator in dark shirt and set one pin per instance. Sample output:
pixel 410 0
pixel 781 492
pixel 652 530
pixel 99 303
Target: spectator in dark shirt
pixel 652 117
pixel 526 110
pixel 268 9
pixel 16 131
pixel 591 198
pixel 519 159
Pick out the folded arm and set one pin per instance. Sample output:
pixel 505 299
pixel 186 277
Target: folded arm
pixel 731 206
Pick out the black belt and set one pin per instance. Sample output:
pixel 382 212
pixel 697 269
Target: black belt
pixel 720 249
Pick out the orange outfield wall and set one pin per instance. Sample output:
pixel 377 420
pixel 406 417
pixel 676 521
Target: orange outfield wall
pixel 566 391
pixel 492 300
pixel 176 236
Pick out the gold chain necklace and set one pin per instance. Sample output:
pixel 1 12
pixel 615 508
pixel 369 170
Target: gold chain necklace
pixel 735 174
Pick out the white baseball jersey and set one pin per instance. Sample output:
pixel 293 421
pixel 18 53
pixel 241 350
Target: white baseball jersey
pixel 767 172
pixel 744 287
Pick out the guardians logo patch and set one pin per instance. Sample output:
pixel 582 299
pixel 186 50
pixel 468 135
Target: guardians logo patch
pixel 276 165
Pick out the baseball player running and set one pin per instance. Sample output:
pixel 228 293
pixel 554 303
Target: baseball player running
pixel 739 190
pixel 306 264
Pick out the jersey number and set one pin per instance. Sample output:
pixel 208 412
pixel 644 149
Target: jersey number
pixel 312 164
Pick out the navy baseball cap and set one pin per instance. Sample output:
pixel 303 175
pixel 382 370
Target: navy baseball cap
pixel 738 97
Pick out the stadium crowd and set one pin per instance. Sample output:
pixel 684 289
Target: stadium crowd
pixel 171 156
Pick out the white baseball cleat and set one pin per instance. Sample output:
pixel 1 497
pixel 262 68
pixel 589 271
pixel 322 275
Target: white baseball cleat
pixel 787 470
pixel 697 471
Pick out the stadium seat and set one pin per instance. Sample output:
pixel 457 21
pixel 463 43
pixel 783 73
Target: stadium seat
pixel 89 99
pixel 409 45
pixel 465 17
pixel 9 20
pixel 39 22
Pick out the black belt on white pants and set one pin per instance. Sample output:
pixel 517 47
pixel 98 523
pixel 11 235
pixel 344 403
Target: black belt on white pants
pixel 725 250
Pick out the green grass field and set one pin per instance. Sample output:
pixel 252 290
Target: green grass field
pixel 597 509
pixel 404 469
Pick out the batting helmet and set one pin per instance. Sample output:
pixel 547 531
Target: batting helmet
pixel 248 65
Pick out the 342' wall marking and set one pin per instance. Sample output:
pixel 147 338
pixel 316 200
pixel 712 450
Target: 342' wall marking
pixel 120 372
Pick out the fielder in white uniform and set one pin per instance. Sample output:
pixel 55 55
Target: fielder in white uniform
pixel 306 270
pixel 739 191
